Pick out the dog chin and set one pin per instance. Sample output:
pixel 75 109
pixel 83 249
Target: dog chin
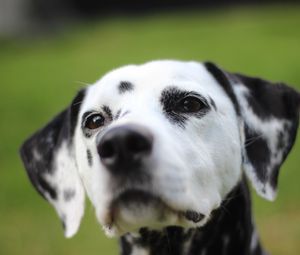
pixel 134 210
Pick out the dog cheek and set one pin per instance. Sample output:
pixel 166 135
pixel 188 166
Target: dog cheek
pixel 227 153
pixel 97 184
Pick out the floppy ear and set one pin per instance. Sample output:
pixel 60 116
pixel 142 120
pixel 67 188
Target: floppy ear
pixel 48 156
pixel 269 114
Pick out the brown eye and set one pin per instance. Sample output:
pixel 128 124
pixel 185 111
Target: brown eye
pixel 189 104
pixel 94 121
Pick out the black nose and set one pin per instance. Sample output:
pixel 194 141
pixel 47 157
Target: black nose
pixel 122 148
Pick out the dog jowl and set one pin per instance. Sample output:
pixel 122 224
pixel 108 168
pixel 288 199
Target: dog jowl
pixel 163 150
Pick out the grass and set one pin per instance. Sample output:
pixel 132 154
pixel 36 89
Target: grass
pixel 39 77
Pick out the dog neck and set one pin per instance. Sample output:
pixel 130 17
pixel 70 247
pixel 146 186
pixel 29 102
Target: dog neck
pixel 230 231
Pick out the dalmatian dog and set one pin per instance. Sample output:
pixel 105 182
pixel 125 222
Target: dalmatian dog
pixel 164 151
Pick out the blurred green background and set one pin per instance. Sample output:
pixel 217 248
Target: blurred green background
pixel 38 77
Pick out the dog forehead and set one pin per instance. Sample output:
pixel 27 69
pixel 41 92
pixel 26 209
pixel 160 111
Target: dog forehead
pixel 158 74
pixel 149 80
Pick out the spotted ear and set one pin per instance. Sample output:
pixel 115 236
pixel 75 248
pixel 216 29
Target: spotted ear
pixel 269 114
pixel 48 157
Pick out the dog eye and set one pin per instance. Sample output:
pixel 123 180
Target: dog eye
pixel 190 104
pixel 94 121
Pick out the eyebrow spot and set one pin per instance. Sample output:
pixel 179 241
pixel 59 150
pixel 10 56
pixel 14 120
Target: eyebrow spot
pixel 212 102
pixel 125 86
pixel 107 111
pixel 118 114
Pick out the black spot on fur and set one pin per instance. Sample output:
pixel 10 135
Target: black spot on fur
pixel 280 140
pixel 126 247
pixel 118 114
pixel 68 194
pixel 221 78
pixel 44 186
pixel 89 157
pixel 87 135
pixel 169 241
pixel 212 102
pixel 274 176
pixel 125 86
pixel 63 221
pixel 258 152
pixel 108 112
pixel 74 110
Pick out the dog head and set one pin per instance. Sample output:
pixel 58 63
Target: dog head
pixel 162 144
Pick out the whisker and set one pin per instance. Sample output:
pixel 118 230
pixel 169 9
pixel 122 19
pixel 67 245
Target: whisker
pixel 83 83
pixel 252 140
pixel 225 209
pixel 77 103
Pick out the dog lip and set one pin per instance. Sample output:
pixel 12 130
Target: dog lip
pixel 145 197
pixel 194 216
pixel 137 196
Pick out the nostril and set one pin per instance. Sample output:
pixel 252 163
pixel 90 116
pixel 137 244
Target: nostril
pixel 137 144
pixel 107 150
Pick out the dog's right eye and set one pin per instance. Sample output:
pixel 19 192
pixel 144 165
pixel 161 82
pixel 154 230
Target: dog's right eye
pixel 94 121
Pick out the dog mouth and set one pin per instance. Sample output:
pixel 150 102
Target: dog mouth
pixel 134 209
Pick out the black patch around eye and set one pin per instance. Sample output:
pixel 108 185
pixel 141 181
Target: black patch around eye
pixel 89 157
pixel 171 97
pixel 125 86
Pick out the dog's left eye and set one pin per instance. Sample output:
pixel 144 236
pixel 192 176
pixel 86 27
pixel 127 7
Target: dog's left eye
pixel 189 104
pixel 94 121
